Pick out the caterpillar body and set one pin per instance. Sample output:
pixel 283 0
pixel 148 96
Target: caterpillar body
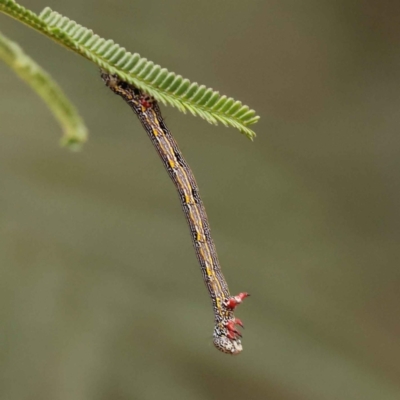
pixel 226 337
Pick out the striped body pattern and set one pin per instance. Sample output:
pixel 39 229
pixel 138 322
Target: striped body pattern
pixel 226 336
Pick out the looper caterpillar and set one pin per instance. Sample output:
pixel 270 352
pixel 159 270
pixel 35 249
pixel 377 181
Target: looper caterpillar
pixel 226 336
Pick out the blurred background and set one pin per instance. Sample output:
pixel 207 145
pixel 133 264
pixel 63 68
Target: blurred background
pixel 101 296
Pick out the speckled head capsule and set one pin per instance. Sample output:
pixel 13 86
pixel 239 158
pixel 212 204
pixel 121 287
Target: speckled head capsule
pixel 228 346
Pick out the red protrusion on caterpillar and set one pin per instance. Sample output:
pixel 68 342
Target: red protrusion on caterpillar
pixel 231 335
pixel 234 301
pixel 232 331
pixel 145 103
pixel 239 322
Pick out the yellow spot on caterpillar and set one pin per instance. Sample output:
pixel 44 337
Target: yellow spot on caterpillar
pixel 218 301
pixel 155 132
pixel 188 199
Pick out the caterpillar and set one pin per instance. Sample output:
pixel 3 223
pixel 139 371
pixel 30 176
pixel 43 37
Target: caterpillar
pixel 226 337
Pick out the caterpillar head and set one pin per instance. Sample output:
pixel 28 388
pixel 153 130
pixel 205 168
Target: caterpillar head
pixel 228 346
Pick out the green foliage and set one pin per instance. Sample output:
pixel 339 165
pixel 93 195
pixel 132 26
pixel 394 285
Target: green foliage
pixel 75 131
pixel 165 86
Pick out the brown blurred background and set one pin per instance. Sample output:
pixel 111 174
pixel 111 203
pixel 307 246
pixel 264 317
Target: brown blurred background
pixel 101 296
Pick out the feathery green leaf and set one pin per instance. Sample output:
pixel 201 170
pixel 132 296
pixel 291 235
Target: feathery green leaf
pixel 158 82
pixel 75 131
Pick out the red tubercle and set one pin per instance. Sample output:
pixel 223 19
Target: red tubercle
pixel 231 327
pixel 239 322
pixel 145 103
pixel 231 335
pixel 234 301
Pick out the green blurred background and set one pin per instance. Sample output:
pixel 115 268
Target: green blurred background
pixel 101 296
